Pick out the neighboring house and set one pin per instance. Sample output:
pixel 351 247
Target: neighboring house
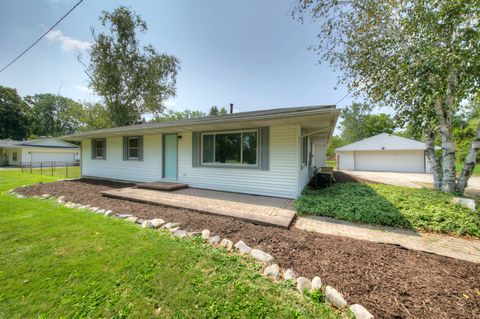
pixel 384 153
pixel 270 152
pixel 38 151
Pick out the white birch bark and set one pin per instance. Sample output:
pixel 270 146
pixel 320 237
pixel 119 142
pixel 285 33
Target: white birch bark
pixel 433 159
pixel 469 165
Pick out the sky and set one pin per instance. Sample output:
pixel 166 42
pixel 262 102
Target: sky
pixel 250 53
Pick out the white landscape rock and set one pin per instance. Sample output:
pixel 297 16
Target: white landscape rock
pixel 100 211
pixel 46 196
pixel 227 243
pixel 123 216
pixel 466 202
pixel 205 234
pixel 243 248
pixel 180 233
pixel 147 224
pixel 94 209
pixel 157 222
pixel 108 213
pixel 335 298
pixel 174 229
pixel 61 199
pixel 20 196
pixel 303 283
pixel 316 283
pixel 214 240
pixel 193 234
pixel 131 219
pixel 170 225
pixel 272 271
pixel 261 255
pixel 288 274
pixel 360 312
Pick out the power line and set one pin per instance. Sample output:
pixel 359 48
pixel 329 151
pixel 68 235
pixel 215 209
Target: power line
pixel 41 37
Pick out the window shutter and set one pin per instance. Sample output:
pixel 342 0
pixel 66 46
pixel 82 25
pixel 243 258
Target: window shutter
pixel 125 148
pixel 264 148
pixel 104 151
pixel 140 148
pixel 93 142
pixel 195 149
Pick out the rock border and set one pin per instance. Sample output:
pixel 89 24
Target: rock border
pixel 270 270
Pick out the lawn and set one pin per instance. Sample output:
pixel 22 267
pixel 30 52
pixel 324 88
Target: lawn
pixel 60 262
pixel 331 164
pixel 378 204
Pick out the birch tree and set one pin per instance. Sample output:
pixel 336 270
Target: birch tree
pixel 419 56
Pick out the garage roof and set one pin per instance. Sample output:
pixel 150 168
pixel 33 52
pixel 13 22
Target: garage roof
pixel 43 142
pixel 384 141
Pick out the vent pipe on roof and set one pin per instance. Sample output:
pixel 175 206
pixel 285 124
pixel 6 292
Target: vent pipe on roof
pixel 231 108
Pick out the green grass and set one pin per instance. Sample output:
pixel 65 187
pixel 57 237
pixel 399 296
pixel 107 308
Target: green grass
pixel 64 172
pixel 331 164
pixel 58 262
pixel 378 204
pixel 476 170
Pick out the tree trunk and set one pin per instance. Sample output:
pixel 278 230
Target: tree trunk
pixel 469 165
pixel 433 159
pixel 448 149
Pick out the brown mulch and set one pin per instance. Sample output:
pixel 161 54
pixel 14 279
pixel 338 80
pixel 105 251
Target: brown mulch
pixel 390 281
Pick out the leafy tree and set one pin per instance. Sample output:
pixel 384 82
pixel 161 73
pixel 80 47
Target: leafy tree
pixel 132 79
pixel 421 57
pixel 214 110
pixel 14 119
pixel 95 116
pixel 334 143
pixel 171 115
pixel 54 115
pixel 358 123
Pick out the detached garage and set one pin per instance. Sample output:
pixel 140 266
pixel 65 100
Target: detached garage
pixel 384 153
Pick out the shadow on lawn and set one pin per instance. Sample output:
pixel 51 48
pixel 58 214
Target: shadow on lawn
pixel 351 200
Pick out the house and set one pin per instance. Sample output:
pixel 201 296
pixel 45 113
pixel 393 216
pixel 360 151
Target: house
pixel 270 152
pixel 384 153
pixel 38 151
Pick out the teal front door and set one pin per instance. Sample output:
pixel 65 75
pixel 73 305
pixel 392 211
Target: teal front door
pixel 170 152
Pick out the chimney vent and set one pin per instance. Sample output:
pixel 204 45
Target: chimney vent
pixel 231 108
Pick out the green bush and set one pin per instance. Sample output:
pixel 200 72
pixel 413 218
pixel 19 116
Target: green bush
pixel 378 204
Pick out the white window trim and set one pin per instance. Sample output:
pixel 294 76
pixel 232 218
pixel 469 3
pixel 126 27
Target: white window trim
pixel 97 148
pixel 129 148
pixel 241 149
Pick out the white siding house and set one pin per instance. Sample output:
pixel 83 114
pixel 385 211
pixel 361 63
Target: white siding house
pixel 384 153
pixel 272 159
pixel 38 151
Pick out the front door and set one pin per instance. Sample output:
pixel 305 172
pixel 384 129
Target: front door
pixel 170 155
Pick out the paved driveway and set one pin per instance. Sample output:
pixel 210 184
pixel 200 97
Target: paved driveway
pixel 407 179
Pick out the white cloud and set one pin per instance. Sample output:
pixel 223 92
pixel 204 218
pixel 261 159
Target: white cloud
pixel 169 104
pixel 67 43
pixel 83 88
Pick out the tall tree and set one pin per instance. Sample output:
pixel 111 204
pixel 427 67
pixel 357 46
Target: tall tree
pixel 214 110
pixel 54 115
pixel 94 116
pixel 421 57
pixel 14 119
pixel 358 123
pixel 171 115
pixel 132 79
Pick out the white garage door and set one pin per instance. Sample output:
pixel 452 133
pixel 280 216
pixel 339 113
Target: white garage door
pixel 390 161
pixel 52 157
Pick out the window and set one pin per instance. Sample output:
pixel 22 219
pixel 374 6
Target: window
pixel 304 151
pixel 133 148
pixel 14 156
pixel 234 148
pixel 99 149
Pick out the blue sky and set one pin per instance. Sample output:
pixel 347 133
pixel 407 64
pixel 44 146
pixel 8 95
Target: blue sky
pixel 250 53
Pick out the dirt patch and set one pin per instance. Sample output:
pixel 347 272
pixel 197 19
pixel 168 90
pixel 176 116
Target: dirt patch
pixel 390 281
pixel 341 177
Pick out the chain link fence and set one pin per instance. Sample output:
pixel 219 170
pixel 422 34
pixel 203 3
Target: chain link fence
pixel 65 169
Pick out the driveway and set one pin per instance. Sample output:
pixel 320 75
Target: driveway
pixel 415 180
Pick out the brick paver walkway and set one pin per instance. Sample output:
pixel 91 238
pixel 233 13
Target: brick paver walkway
pixel 257 209
pixel 465 249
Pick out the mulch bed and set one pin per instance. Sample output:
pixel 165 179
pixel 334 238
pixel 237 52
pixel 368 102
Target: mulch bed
pixel 390 281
